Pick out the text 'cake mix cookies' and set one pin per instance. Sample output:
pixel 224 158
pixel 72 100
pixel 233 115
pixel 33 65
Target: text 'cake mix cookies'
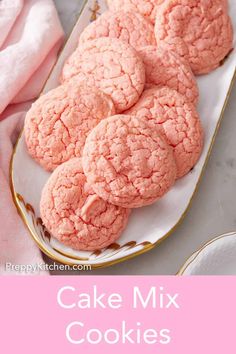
pixel 199 30
pixel 147 8
pixel 129 27
pixel 166 68
pixel 178 120
pixel 127 162
pixel 75 215
pixel 110 65
pixel 58 123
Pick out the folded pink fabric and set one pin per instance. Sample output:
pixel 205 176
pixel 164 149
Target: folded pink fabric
pixel 30 37
pixel 34 38
pixel 9 10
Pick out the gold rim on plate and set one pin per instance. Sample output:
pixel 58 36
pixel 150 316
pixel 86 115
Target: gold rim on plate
pixel 194 255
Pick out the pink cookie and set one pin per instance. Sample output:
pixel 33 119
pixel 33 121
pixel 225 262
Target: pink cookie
pixel 165 68
pixel 178 120
pixel 58 123
pixel 129 27
pixel 199 30
pixel 127 162
pixel 110 65
pixel 225 4
pixel 147 8
pixel 75 215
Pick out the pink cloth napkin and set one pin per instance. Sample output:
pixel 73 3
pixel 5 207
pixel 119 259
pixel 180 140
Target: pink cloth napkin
pixel 30 37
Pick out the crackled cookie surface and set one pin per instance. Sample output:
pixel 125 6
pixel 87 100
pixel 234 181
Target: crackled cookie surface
pixel 147 8
pixel 178 121
pixel 165 68
pixel 110 65
pixel 129 27
pixel 127 162
pixel 58 123
pixel 75 215
pixel 199 30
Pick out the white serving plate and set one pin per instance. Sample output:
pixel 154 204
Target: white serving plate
pixel 147 226
pixel 217 257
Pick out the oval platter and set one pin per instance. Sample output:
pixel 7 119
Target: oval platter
pixel 147 226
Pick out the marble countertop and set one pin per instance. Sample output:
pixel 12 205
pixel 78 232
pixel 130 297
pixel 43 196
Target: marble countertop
pixel 213 210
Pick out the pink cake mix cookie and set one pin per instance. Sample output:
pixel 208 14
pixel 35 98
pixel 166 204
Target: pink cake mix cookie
pixel 129 27
pixel 165 68
pixel 178 120
pixel 225 4
pixel 127 162
pixel 58 123
pixel 199 30
pixel 147 8
pixel 75 215
pixel 110 65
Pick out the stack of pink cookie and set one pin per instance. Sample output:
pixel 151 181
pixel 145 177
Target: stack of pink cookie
pixel 123 126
